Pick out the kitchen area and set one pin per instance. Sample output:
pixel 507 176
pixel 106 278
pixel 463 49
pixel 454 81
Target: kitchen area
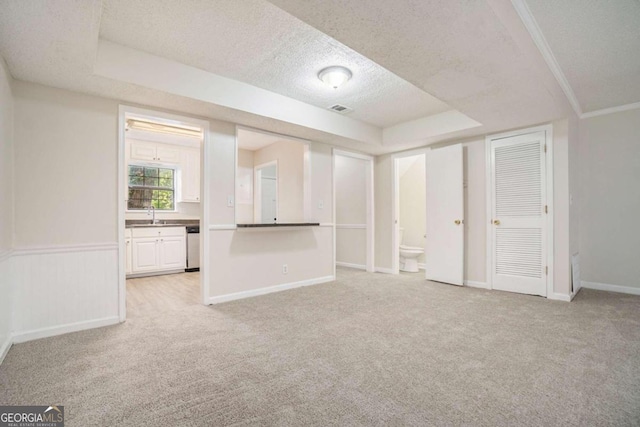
pixel 162 214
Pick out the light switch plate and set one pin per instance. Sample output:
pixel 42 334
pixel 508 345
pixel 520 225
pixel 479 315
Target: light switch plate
pixel 230 201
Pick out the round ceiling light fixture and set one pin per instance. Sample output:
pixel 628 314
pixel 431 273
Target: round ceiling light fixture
pixel 335 76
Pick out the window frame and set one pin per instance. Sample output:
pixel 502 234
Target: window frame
pixel 174 168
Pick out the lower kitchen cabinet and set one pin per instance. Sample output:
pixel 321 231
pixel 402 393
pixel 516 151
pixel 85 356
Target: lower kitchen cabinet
pixel 157 249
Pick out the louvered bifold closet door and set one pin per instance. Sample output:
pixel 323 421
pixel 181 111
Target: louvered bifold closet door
pixel 518 220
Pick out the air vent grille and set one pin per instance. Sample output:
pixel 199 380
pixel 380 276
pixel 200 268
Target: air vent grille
pixel 340 109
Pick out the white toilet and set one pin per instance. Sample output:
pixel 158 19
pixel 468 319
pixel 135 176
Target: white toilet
pixel 409 255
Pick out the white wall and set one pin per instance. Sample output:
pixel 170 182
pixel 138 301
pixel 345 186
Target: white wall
pixel 383 193
pixel 413 202
pixel 351 210
pixel 65 167
pixel 610 199
pixel 561 217
pixel 65 258
pixel 244 191
pixel 6 207
pixel 245 262
pixel 475 206
pixel 290 157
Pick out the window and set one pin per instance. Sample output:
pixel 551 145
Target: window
pixel 151 186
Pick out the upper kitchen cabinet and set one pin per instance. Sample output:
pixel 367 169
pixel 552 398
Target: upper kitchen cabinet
pixel 190 164
pixel 154 152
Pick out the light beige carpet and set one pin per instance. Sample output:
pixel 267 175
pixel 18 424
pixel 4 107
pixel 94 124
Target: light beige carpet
pixel 365 350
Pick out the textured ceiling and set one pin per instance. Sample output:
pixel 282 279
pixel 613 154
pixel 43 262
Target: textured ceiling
pixel 597 45
pixel 476 56
pixel 252 141
pixel 62 51
pixel 258 43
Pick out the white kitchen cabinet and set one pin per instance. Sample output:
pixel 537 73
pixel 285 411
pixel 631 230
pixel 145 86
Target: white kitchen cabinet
pixel 167 153
pixel 158 249
pixel 190 175
pixel 173 253
pixel 154 152
pixel 146 254
pixel 141 150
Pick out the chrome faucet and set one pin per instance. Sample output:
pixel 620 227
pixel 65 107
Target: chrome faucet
pixel 152 212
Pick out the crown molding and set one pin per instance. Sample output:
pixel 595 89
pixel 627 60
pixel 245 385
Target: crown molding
pixel 610 110
pixel 538 38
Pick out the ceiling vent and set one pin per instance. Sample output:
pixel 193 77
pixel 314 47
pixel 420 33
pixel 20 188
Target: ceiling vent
pixel 340 109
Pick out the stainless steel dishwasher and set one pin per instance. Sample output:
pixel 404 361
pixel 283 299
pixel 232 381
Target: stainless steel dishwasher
pixel 193 248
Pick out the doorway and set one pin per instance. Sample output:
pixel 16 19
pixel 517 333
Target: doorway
pixel 162 193
pixel 412 215
pixel 353 210
pixel 266 185
pixel 443 239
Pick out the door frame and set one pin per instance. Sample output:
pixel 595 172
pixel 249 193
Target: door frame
pixel 548 130
pixel 370 220
pixel 395 197
pixel 257 193
pixel 123 111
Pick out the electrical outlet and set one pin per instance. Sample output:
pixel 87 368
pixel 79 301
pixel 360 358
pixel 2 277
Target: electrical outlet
pixel 230 201
pixel 321 204
pixel 285 268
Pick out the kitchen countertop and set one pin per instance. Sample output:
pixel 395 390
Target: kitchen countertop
pixel 144 223
pixel 280 224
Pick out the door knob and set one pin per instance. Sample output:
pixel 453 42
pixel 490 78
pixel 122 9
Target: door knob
pixel 496 222
pixel 457 221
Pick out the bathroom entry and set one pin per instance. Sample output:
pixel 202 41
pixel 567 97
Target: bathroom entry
pixel 428 213
pixel 411 212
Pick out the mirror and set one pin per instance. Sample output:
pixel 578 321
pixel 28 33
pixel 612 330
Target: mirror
pixel 272 173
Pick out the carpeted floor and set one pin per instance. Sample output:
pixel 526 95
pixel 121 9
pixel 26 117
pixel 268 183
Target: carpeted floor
pixel 368 349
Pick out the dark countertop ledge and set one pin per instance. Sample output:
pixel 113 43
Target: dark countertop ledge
pixel 282 224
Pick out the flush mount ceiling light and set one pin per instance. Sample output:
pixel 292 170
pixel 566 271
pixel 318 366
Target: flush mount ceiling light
pixel 335 76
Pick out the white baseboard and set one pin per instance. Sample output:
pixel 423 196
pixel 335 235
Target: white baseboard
pixel 4 348
pixel 474 284
pixel 63 329
pixel 611 288
pixel 384 270
pixel 349 265
pixel 560 297
pixel 270 289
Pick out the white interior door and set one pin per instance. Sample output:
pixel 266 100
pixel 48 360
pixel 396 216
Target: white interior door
pixel 518 220
pixel 444 249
